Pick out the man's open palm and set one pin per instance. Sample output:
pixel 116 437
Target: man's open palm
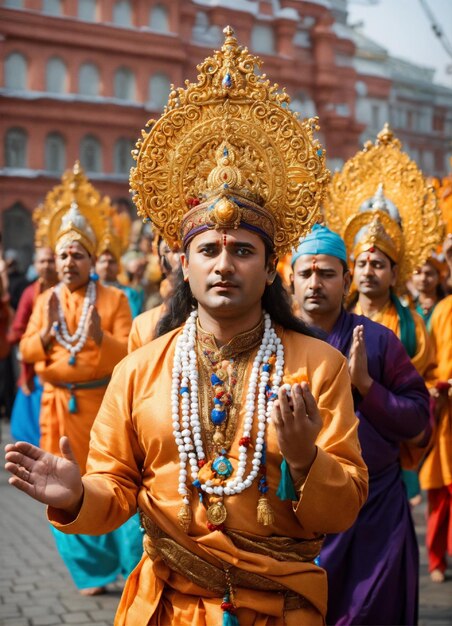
pixel 50 479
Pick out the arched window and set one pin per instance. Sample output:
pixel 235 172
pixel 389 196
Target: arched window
pixel 18 232
pixel 88 80
pixel 122 13
pixel 91 154
pixel 13 4
pixel 159 88
pixel 16 148
pixel 87 10
pixel 158 19
pixel 124 84
pixel 52 7
pixel 123 160
pixel 16 71
pixel 55 153
pixel 203 32
pixel 55 76
pixel 262 39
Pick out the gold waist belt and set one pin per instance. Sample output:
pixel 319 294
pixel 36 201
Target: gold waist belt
pixel 213 578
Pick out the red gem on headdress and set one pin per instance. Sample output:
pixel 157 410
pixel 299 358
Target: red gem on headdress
pixel 192 202
pixel 372 249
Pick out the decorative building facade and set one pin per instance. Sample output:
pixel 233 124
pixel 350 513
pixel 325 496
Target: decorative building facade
pixel 79 78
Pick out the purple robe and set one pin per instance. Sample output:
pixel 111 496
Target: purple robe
pixel 373 568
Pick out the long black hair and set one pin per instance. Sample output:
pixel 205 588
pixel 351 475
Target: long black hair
pixel 275 301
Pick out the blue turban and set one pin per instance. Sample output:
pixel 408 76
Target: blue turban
pixel 321 240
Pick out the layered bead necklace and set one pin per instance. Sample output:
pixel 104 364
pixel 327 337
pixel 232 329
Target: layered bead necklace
pixel 74 343
pixel 216 483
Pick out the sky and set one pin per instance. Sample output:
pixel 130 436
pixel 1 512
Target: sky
pixel 403 28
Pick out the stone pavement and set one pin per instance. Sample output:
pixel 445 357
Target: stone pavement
pixel 36 590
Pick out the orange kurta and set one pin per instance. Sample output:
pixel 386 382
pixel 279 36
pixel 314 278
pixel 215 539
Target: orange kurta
pixel 93 363
pixel 424 358
pixel 134 458
pixel 143 327
pixel 437 469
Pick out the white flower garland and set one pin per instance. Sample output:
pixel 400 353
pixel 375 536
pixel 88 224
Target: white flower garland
pixel 74 343
pixel 185 409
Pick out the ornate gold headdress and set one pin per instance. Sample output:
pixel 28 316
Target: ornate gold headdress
pixel 381 177
pixel 72 210
pixel 443 189
pixel 228 151
pixel 115 238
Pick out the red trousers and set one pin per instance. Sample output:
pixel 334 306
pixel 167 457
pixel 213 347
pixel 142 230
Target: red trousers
pixel 439 527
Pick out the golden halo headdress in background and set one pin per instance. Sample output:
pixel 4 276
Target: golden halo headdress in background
pixel 408 200
pixel 228 151
pixel 443 189
pixel 114 239
pixel 86 213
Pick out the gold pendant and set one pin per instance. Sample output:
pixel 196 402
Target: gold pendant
pixel 218 438
pixel 216 513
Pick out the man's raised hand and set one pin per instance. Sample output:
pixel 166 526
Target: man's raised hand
pixel 297 424
pixel 53 480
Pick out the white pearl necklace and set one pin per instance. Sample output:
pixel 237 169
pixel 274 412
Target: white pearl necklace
pixel 74 343
pixel 185 409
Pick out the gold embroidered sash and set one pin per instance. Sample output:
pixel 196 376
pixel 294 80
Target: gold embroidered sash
pixel 157 543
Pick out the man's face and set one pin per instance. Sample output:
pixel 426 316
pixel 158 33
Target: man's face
pixel 73 265
pixel 426 279
pixel 169 260
pixel 319 283
pixel 107 267
pixel 45 265
pixel 373 274
pixel 227 271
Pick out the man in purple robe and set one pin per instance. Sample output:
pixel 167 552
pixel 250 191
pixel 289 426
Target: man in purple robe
pixel 373 568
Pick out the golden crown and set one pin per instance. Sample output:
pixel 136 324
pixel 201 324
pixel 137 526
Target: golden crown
pixel 227 151
pixel 405 191
pixel 443 189
pixel 75 190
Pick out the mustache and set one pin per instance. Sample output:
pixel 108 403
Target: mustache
pixel 318 293
pixel 369 279
pixel 222 283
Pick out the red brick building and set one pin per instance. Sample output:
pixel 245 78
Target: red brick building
pixel 79 78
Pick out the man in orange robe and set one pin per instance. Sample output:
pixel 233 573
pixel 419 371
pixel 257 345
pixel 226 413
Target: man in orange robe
pixel 75 383
pixel 436 472
pixel 237 477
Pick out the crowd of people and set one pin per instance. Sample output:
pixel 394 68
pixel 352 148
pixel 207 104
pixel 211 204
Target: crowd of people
pixel 235 402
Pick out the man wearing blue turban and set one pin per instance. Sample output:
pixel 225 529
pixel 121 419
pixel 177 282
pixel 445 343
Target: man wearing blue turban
pixel 373 567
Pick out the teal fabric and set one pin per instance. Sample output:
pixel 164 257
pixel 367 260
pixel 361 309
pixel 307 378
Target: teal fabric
pixel 72 405
pixel 407 326
pixel 286 490
pixel 321 240
pixel 229 619
pixel 95 561
pixel 426 316
pixel 411 481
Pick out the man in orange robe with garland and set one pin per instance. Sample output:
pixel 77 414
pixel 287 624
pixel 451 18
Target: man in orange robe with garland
pixel 76 372
pixel 237 477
